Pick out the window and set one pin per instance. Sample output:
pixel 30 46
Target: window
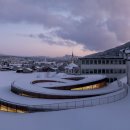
pixel 120 71
pixel 107 71
pixel 103 71
pixel 87 71
pixel 111 71
pixel 114 71
pixel 103 61
pixel 124 62
pixel 99 71
pixel 115 62
pixel 114 79
pixel 120 62
pixel 95 61
pixel 99 61
pixel 124 71
pixel 83 61
pixel 95 71
pixel 87 62
pixel 83 71
pixel 91 71
pixel 111 61
pixel 91 61
pixel 107 61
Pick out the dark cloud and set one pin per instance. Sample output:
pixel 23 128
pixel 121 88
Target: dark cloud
pixel 96 24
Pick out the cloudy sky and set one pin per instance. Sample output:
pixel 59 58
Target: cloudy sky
pixel 56 27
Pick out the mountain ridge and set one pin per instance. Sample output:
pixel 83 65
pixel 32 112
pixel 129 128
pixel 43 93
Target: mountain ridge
pixel 113 52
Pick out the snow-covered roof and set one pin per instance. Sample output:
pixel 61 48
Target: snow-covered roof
pixel 127 51
pixel 62 81
pixel 71 66
pixel 28 69
pixel 25 84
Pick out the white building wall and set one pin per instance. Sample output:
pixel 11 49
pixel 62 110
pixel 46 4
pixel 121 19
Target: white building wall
pixel 128 72
pixel 105 67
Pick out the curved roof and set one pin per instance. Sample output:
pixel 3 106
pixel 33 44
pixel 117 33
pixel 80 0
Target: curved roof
pixel 8 97
pixel 26 85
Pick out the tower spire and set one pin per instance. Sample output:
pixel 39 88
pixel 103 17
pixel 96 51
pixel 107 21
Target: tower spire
pixel 72 57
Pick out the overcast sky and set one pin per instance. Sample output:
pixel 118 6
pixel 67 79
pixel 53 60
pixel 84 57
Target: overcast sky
pixel 56 27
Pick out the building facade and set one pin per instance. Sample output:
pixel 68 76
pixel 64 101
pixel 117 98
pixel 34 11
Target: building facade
pixel 114 68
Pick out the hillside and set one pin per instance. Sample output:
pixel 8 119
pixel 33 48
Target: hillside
pixel 114 52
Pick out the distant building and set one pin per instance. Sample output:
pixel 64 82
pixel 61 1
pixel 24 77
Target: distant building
pixel 72 69
pixel 5 68
pixel 45 69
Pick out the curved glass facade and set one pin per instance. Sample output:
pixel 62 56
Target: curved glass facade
pixel 90 87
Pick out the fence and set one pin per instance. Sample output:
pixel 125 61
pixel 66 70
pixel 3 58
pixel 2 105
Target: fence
pixel 89 102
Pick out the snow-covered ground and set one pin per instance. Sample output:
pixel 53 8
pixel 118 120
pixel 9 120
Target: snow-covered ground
pixel 114 116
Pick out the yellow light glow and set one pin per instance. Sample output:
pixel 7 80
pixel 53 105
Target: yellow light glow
pixel 90 87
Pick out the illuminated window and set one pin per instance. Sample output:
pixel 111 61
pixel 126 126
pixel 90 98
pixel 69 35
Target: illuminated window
pixel 3 108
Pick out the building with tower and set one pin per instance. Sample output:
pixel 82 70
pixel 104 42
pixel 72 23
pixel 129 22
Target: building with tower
pixel 72 68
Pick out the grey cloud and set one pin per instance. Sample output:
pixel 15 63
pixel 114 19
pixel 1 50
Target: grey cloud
pixel 51 38
pixel 96 24
pixel 27 35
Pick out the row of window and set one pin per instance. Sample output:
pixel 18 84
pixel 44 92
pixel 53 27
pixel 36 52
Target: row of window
pixel 102 61
pixel 103 71
pixel 11 108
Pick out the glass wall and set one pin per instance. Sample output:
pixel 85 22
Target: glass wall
pixel 11 108
pixel 90 87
